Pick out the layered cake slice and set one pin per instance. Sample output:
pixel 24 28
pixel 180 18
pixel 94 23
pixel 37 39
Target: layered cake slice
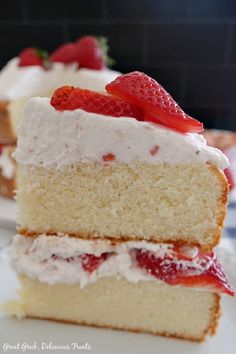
pixel 120 205
pixel 35 73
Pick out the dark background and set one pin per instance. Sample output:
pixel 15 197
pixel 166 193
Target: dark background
pixel 189 46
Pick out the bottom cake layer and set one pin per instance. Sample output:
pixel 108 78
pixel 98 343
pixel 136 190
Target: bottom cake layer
pixel 112 302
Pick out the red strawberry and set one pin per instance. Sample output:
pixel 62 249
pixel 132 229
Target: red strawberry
pixel 70 98
pixel 91 262
pixel 92 52
pixel 32 56
pixel 1 148
pixel 108 157
pixel 173 272
pixel 143 91
pixel 66 54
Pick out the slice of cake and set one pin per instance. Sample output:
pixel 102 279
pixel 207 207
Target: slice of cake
pixel 120 205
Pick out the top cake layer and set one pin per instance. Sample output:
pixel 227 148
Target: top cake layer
pixel 55 139
pixel 20 82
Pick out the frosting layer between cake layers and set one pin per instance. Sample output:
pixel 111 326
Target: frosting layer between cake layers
pixel 54 139
pixel 56 259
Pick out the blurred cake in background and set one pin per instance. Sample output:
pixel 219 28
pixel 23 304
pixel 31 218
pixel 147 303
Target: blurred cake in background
pixel 226 142
pixel 34 72
pixel 222 139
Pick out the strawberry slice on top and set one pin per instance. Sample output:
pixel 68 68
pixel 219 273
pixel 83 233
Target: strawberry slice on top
pixel 159 107
pixel 71 98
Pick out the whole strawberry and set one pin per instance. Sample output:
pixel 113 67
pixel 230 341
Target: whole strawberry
pixel 66 53
pixel 92 52
pixel 32 56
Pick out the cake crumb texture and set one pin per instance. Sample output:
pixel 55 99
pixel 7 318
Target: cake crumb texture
pixel 156 202
pixel 151 307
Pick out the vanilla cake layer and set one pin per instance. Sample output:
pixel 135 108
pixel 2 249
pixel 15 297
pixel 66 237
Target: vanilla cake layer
pixel 116 303
pixel 160 203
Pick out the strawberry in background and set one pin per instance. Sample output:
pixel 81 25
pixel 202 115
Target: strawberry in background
pixel 87 52
pixel 66 54
pixel 33 56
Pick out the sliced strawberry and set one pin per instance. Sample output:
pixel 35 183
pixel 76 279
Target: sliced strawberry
pixel 32 56
pixel 202 271
pixel 66 54
pixel 91 262
pixel 180 122
pixel 70 98
pixel 143 91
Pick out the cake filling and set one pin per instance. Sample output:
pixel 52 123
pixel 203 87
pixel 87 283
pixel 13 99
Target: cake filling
pixel 63 259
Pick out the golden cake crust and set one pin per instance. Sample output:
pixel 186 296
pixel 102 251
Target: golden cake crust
pixel 7 135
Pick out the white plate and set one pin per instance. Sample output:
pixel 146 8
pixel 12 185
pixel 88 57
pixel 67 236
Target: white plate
pixel 28 331
pixel 7 209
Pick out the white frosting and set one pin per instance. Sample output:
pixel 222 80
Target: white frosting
pixel 20 82
pixel 56 259
pixel 55 139
pixel 6 164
